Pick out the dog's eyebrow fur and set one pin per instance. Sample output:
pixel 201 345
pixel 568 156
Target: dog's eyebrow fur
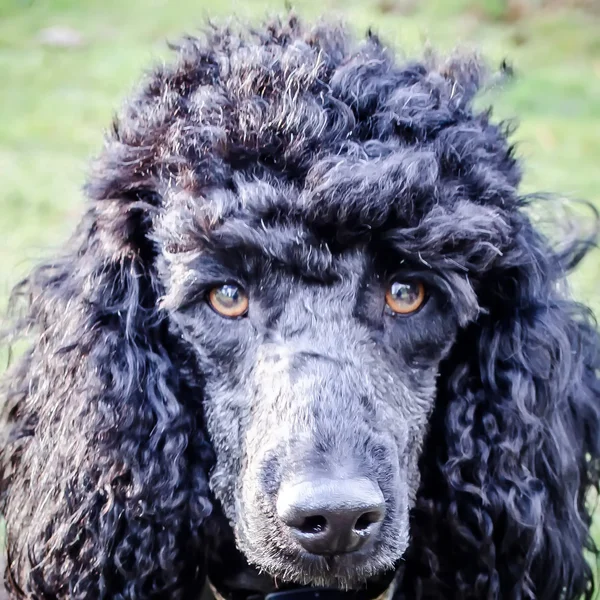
pixel 303 229
pixel 453 242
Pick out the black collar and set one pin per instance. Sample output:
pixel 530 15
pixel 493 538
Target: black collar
pixel 309 593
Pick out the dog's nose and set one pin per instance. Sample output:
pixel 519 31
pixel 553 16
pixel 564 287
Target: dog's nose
pixel 331 516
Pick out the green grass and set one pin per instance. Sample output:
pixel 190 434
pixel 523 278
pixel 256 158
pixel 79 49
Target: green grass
pixel 57 101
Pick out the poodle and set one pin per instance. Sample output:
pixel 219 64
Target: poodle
pixel 305 340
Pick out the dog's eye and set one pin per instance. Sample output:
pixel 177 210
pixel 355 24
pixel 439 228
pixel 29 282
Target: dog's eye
pixel 405 297
pixel 229 300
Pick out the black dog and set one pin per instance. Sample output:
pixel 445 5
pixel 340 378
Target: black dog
pixel 305 335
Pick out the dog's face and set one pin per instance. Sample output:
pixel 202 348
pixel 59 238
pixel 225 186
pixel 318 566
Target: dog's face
pixel 320 363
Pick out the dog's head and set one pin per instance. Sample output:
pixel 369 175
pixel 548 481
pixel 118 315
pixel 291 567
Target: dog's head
pixel 318 278
pixel 319 318
pixel 305 289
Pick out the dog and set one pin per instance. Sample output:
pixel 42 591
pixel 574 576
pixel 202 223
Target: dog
pixel 306 339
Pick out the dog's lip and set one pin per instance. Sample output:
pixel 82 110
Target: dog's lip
pixel 364 553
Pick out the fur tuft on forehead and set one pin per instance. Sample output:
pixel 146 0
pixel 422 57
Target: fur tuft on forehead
pixel 345 131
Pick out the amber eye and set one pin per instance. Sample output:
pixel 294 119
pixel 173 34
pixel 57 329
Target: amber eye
pixel 229 300
pixel 405 297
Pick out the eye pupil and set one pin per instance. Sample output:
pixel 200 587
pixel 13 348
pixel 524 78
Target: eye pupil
pixel 407 293
pixel 228 295
pixel 228 300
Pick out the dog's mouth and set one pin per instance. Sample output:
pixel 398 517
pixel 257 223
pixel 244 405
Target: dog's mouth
pixel 283 560
pixel 349 576
pixel 374 592
pixel 248 583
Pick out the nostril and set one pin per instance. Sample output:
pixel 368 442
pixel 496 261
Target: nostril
pixel 331 516
pixel 315 524
pixel 366 520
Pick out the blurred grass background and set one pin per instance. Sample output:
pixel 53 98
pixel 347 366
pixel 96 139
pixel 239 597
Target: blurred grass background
pixel 66 65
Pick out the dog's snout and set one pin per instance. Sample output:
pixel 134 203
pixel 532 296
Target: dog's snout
pixel 331 516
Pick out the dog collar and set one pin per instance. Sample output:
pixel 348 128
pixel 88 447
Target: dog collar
pixel 307 593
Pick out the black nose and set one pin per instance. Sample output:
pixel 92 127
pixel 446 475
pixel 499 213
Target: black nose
pixel 331 516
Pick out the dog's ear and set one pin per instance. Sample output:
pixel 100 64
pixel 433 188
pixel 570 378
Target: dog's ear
pixel 514 446
pixel 104 470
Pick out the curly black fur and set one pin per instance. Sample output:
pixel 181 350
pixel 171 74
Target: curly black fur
pixel 297 159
